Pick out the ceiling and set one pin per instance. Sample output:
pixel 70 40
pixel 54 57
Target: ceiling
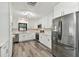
pixel 41 9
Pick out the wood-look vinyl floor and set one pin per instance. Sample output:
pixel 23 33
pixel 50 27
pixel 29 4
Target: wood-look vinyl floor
pixel 30 49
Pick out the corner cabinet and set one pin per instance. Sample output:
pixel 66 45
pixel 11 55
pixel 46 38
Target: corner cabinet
pixel 64 8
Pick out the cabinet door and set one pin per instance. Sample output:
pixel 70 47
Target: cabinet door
pixel 31 36
pixel 45 39
pixel 69 7
pixel 64 8
pixel 22 37
pixel 26 36
pixel 42 38
pixel 58 10
pixel 48 41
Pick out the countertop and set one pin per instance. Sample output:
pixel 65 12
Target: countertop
pixel 30 31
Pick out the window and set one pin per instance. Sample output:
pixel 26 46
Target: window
pixel 22 26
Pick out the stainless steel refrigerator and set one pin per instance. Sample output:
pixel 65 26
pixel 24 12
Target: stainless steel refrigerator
pixel 77 34
pixel 64 36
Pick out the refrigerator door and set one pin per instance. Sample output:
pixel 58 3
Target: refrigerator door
pixel 63 36
pixel 77 34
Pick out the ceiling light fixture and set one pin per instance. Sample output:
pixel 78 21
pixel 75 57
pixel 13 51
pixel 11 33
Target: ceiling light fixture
pixel 31 3
pixel 29 14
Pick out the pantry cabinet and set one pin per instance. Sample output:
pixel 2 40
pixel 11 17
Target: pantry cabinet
pixel 65 8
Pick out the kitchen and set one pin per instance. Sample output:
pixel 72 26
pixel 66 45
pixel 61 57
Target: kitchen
pixel 33 25
pixel 39 29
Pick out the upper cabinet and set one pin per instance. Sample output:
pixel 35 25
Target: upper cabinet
pixel 64 8
pixel 46 21
pixel 57 10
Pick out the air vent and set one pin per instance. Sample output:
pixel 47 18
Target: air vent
pixel 31 3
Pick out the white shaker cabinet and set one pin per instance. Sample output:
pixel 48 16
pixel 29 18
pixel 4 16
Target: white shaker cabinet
pixel 42 39
pixel 64 8
pixel 45 39
pixel 70 7
pixel 48 41
pixel 57 10
pixel 26 36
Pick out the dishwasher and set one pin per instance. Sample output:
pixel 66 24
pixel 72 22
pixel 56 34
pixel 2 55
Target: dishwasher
pixel 16 38
pixel 37 36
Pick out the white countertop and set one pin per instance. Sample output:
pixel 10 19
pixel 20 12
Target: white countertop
pixel 30 31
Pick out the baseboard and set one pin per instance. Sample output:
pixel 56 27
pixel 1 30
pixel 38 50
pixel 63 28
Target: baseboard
pixel 27 40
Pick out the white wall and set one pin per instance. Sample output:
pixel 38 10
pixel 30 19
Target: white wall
pixel 43 12
pixel 17 17
pixel 4 21
pixel 5 26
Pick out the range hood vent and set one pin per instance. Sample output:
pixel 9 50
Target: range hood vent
pixel 31 3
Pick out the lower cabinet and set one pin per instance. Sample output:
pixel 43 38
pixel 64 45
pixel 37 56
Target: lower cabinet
pixel 26 36
pixel 4 49
pixel 45 39
pixel 48 41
